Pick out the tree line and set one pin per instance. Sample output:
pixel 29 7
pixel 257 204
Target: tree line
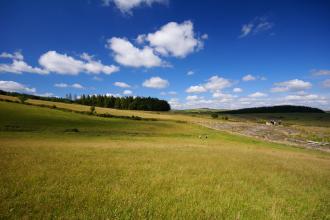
pixel 127 102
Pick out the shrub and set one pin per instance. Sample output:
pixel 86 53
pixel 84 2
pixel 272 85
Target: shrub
pixel 136 117
pixel 92 109
pixel 71 130
pixel 22 98
pixel 225 118
pixel 214 115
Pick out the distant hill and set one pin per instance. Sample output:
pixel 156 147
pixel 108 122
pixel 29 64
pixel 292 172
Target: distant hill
pixel 275 109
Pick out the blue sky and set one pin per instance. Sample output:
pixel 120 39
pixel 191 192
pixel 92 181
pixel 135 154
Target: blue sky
pixel 217 54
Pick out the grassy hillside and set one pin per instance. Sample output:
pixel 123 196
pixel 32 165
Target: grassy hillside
pixel 118 168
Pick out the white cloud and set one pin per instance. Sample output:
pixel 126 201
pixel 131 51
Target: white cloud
pixel 46 94
pixel 196 89
pixel 156 83
pixel 192 98
pixel 223 97
pixel 237 90
pixel 126 6
pixel 11 86
pixel 217 83
pixel 213 84
pixel 67 65
pixel 306 99
pixel 141 38
pixel 122 85
pixel 301 97
pixel 321 72
pixel 65 85
pixel 14 56
pixel 257 95
pixel 77 86
pixel 229 101
pixel 113 94
pixel 175 104
pixel 257 25
pixel 172 39
pixel 127 92
pixel 249 77
pixel 190 73
pixel 326 83
pixel 246 29
pixel 52 61
pixel 18 65
pixel 291 85
pixel 127 54
pixel 175 39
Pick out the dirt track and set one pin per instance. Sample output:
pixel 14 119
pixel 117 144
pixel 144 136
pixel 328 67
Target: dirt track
pixel 279 134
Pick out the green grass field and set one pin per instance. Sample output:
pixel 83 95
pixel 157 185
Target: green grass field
pixel 125 169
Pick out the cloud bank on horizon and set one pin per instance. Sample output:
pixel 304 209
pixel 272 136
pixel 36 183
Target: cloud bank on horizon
pixel 192 62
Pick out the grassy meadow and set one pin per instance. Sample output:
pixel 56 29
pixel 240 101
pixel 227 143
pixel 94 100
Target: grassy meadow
pixel 64 165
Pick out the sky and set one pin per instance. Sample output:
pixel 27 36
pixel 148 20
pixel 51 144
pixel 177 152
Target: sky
pixel 195 54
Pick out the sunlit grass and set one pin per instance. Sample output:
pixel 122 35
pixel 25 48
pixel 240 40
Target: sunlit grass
pixel 126 169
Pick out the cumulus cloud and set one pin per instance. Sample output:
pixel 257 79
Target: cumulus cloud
pixel 175 39
pixel 14 56
pixel 321 72
pixel 52 61
pixel 196 89
pixel 217 83
pixel 127 54
pixel 67 65
pixel 237 90
pixel 126 6
pixel 249 77
pixel 306 99
pixel 65 85
pixel 113 94
pixel 257 95
pixel 18 65
pixel 12 86
pixel 291 85
pixel 257 25
pixel 213 84
pixel 127 92
pixel 192 97
pixel 229 101
pixel 46 94
pixel 156 83
pixel 121 84
pixel 175 103
pixel 223 97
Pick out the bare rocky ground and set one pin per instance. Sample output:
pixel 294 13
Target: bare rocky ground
pixel 279 134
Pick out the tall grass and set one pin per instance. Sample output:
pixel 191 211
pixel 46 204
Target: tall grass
pixel 125 169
